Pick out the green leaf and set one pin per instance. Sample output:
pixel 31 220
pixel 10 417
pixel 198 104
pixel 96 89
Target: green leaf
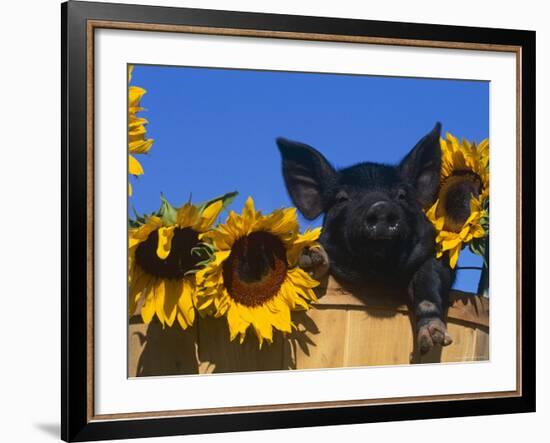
pixel 479 247
pixel 200 265
pixel 201 252
pixel 483 285
pixel 167 213
pixel 211 249
pixel 138 220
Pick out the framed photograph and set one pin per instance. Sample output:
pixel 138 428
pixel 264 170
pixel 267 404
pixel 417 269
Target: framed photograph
pixel 276 221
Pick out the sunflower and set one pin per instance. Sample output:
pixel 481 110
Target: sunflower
pixel 254 279
pixel 137 143
pixel 460 213
pixel 164 254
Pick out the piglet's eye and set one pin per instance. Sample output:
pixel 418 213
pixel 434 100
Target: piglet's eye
pixel 341 197
pixel 401 194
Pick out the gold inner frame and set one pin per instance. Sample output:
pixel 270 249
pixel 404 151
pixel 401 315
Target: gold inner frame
pixel 97 24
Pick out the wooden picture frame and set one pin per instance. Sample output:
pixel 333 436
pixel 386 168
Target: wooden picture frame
pixel 79 22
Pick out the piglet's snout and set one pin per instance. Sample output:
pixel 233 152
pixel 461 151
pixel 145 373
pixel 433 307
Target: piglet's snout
pixel 382 220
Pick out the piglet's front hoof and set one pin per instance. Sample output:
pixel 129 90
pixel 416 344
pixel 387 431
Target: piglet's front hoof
pixel 314 261
pixel 432 332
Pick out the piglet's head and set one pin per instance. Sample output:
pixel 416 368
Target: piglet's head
pixel 367 207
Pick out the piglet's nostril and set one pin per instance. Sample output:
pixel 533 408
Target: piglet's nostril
pixel 393 226
pixel 392 220
pixel 371 220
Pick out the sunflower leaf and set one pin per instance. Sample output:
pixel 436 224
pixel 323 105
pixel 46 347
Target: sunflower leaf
pixel 167 213
pixel 198 267
pixel 483 284
pixel 203 263
pixel 210 248
pixel 138 220
pixel 136 214
pixel 479 247
pixel 200 252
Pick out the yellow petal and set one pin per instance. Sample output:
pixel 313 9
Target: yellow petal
pixel 182 321
pixel 148 308
pixel 186 306
pixel 301 278
pixel 281 320
pixel 234 226
pixel 296 296
pixel 165 236
pixel 137 124
pixel 209 216
pixel 139 282
pixel 160 293
pixel 134 95
pixel 454 256
pixel 140 146
pixel 220 257
pixel 478 231
pixel 187 215
pixel 153 223
pixel 309 235
pixel 249 215
pixel 295 245
pixel 262 325
pixel 221 239
pixel 451 244
pixel 134 166
pixel 236 324
pixel 280 222
pixel 430 213
pixel 173 291
pixel 203 303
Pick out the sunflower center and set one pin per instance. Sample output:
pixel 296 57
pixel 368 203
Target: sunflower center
pixel 455 195
pixel 179 261
pixel 256 268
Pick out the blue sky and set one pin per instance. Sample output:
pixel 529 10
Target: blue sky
pixel 215 129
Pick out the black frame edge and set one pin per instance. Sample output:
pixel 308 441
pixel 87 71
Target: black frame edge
pixel 294 23
pixel 73 296
pixel 528 210
pixel 74 423
pixel 295 419
pixel 64 221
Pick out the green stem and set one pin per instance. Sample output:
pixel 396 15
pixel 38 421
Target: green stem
pixel 483 285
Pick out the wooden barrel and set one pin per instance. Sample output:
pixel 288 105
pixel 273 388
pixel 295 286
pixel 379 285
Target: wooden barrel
pixel 341 330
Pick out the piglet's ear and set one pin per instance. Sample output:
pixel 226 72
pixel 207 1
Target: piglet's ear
pixel 422 167
pixel 308 176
